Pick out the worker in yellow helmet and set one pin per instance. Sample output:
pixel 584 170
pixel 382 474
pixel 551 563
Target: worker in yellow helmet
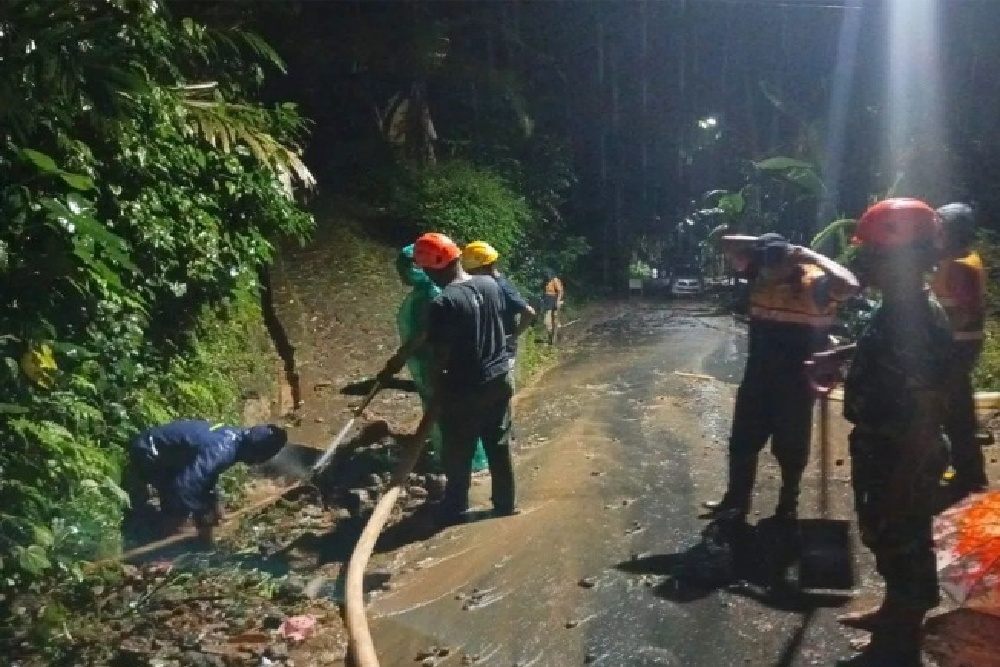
pixel 480 258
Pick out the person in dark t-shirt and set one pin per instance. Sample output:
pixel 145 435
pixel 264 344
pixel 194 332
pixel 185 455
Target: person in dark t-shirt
pixel 470 372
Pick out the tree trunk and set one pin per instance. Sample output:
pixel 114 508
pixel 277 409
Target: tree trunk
pixel 279 337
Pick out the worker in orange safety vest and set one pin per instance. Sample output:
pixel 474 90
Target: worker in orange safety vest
pixel 793 301
pixel 960 286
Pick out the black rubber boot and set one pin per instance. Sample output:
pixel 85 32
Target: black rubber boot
pixel 736 502
pixel 895 641
pixel 788 504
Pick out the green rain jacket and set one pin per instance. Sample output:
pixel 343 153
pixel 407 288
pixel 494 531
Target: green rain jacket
pixel 412 318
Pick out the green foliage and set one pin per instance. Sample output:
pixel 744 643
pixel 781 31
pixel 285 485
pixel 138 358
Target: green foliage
pixel 799 172
pixel 465 202
pixel 835 239
pixel 533 355
pixel 130 224
pixel 639 269
pixel 987 375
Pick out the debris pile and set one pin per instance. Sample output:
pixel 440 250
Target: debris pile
pixel 189 613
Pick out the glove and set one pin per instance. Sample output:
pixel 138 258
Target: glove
pixel 392 366
pixel 824 371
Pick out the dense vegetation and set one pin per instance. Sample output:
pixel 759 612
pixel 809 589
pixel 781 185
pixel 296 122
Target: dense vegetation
pixel 141 188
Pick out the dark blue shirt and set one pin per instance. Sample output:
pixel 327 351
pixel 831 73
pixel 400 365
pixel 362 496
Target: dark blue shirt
pixel 185 458
pixel 466 319
pixel 513 304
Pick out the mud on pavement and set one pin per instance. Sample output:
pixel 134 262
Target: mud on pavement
pixel 606 564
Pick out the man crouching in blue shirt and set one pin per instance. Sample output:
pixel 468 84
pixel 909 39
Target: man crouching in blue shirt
pixel 183 460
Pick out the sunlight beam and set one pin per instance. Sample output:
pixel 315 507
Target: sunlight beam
pixel 916 126
pixel 840 97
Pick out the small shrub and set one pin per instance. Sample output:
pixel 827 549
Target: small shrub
pixel 463 201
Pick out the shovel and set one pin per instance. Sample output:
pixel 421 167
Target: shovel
pixel 826 562
pixel 331 449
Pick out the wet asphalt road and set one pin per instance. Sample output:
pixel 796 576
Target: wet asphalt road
pixel 606 564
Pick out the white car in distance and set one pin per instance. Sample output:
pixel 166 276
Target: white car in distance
pixel 686 283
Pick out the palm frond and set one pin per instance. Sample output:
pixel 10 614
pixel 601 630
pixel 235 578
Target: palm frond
pixel 836 231
pixel 226 126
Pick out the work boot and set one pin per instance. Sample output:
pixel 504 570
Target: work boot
pixel 725 509
pixel 880 655
pixel 788 499
pixel 736 501
pixel 868 620
pixel 889 647
pixel 786 510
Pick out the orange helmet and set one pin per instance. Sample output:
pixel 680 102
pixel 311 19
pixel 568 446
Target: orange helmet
pixel 896 223
pixel 435 251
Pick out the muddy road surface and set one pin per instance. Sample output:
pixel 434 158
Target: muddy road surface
pixel 606 563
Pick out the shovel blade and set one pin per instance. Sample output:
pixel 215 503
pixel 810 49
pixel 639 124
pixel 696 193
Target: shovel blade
pixel 826 561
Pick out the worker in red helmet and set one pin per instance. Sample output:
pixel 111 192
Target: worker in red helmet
pixel 960 285
pixel 472 394
pixel 894 394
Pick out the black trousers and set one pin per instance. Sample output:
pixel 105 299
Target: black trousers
pixel 482 414
pixel 775 406
pixel 960 420
pixel 904 549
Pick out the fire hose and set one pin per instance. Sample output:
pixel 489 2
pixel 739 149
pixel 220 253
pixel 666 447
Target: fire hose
pixel 362 647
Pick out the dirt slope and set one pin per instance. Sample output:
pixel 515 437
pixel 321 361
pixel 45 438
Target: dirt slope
pixel 337 299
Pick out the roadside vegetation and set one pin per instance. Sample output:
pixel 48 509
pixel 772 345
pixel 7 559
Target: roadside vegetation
pixel 142 186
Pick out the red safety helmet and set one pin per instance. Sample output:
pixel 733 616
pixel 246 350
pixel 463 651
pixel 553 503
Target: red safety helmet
pixel 435 251
pixel 897 223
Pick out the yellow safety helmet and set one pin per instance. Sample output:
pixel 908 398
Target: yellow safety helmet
pixel 477 254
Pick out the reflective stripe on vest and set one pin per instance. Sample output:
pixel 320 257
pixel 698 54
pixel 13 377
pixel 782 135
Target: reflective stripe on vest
pixel 792 303
pixel 971 316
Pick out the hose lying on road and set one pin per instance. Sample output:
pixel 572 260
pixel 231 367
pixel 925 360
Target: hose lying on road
pixel 361 646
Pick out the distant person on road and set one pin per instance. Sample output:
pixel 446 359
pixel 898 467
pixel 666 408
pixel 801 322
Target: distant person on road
pixel 553 297
pixel 470 374
pixel 960 286
pixel 479 258
pixel 894 394
pixel 794 293
pixel 414 352
pixel 182 461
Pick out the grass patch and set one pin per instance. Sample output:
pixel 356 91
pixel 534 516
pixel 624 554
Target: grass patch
pixel 987 373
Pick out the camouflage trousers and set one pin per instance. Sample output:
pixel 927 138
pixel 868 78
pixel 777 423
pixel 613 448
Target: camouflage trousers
pixel 903 548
